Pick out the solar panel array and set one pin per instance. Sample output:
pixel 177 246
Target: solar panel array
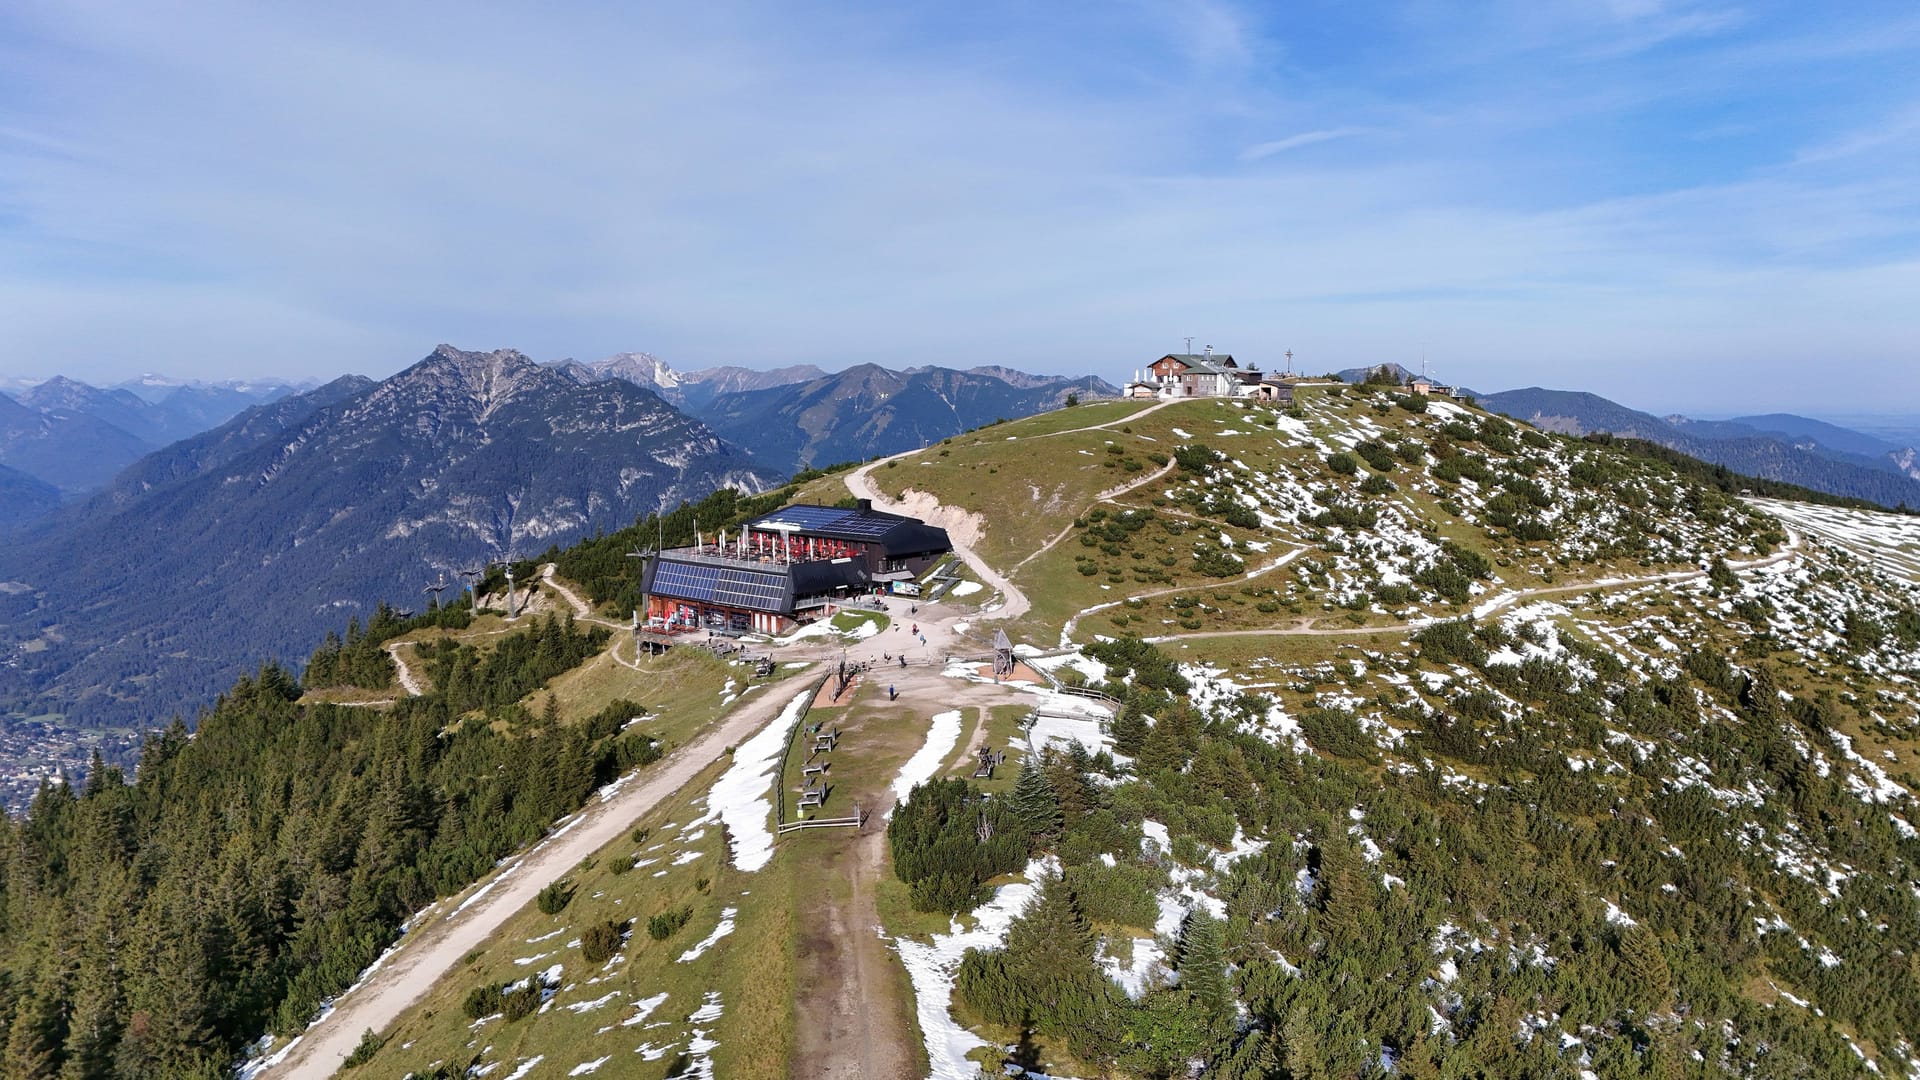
pixel 834 521
pixel 866 526
pixel 735 587
pixel 803 517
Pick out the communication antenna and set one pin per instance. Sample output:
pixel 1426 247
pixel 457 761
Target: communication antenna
pixel 1189 345
pixel 1289 361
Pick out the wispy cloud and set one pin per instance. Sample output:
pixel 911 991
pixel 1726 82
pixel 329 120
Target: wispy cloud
pixel 220 188
pixel 1295 142
pixel 1902 126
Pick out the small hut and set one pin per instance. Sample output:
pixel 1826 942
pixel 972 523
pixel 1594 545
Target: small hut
pixel 1002 655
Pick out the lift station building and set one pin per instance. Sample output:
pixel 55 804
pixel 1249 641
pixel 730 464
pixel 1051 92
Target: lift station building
pixel 786 568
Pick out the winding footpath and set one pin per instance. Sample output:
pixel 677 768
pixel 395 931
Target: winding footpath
pixel 407 682
pixel 1015 603
pixel 1500 602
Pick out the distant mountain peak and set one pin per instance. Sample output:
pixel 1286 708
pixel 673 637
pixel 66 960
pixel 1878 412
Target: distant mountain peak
pixel 61 392
pixel 484 381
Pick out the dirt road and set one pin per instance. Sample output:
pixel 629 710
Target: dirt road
pixel 855 1004
pixel 437 944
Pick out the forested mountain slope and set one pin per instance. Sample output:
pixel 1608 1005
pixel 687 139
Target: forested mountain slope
pixel 72 451
pixel 253 539
pixel 23 498
pixel 76 437
pixel 1482 752
pixel 265 859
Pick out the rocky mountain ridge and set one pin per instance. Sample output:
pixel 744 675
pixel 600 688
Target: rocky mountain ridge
pixel 278 525
pixel 688 390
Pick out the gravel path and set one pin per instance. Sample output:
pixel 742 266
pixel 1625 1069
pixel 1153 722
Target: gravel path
pixel 407 681
pixel 439 940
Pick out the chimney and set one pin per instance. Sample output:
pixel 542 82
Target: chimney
pixel 866 504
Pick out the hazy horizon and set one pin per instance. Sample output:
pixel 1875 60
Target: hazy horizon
pixel 1680 206
pixel 1885 424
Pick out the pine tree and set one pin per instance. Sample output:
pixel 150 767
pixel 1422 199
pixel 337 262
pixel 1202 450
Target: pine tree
pixel 1721 577
pixel 38 1030
pixel 1068 775
pixel 1129 730
pixel 1301 1041
pixel 1051 947
pixel 1203 966
pixel 1645 968
pixel 1034 800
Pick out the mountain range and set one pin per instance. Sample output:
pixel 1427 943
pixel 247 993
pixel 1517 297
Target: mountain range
pixel 868 411
pixel 687 390
pixel 794 417
pixel 75 437
pixel 257 536
pixel 1777 446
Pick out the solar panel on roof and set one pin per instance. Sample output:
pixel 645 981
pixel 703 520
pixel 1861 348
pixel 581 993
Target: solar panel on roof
pixel 732 586
pixel 803 518
pixel 866 526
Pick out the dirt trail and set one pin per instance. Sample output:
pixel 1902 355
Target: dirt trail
pixel 1497 604
pixel 854 1006
pixel 1105 496
pixel 850 1023
pixel 405 673
pixel 964 527
pixel 581 609
pixel 441 939
pixel 1074 620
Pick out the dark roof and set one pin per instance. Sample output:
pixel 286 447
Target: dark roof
pixel 897 533
pixel 774 587
pixel 1205 363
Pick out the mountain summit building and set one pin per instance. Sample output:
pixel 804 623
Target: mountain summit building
pixel 1207 374
pixel 786 568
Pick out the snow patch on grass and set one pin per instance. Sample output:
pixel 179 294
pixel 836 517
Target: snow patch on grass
pixel 932 966
pixel 942 734
pixel 720 931
pixel 741 796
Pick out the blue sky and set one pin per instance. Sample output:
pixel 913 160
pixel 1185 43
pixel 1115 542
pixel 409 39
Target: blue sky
pixel 1705 207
